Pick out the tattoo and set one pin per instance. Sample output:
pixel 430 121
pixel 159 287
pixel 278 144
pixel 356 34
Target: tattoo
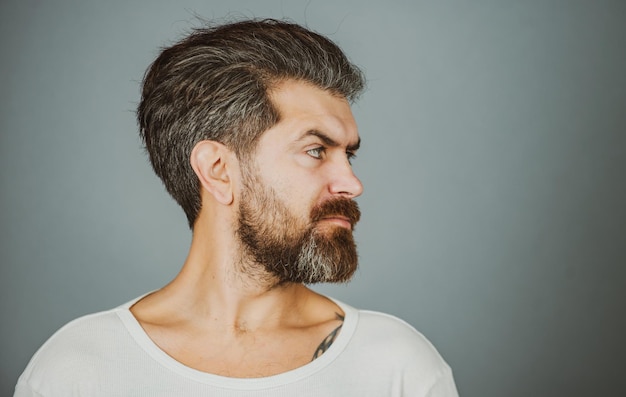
pixel 328 340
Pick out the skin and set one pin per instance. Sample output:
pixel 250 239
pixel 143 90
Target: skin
pixel 216 319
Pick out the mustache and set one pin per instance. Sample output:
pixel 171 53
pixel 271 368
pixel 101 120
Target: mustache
pixel 340 206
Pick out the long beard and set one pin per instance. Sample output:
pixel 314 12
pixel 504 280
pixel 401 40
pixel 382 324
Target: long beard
pixel 290 249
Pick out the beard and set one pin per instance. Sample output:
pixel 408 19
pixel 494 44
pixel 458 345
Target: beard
pixel 290 249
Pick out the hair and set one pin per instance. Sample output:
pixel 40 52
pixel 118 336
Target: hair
pixel 215 85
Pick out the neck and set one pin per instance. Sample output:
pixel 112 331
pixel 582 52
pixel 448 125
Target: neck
pixel 217 286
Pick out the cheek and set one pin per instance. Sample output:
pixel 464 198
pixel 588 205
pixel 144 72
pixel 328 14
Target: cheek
pixel 299 199
pixel 299 188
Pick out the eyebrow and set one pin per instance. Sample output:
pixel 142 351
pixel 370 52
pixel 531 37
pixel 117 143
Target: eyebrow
pixel 328 141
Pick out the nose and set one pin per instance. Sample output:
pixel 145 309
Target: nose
pixel 344 182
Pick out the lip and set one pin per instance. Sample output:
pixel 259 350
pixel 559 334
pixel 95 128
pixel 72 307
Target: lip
pixel 338 220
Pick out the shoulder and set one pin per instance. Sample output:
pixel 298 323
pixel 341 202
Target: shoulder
pixel 74 350
pixel 80 334
pixel 387 347
pixel 396 338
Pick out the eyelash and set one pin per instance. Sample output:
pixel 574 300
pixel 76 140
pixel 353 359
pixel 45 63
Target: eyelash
pixel 321 150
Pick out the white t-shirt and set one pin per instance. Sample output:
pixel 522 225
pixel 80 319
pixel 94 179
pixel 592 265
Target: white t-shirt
pixel 109 354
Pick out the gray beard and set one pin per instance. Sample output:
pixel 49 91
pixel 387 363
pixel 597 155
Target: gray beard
pixel 277 248
pixel 331 259
pixel 312 258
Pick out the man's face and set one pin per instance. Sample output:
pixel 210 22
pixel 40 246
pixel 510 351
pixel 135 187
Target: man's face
pixel 296 212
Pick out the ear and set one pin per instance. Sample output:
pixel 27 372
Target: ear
pixel 210 162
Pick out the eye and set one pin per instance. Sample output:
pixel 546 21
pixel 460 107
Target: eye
pixel 351 156
pixel 316 152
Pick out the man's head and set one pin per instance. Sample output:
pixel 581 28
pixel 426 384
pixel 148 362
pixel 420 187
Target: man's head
pixel 216 85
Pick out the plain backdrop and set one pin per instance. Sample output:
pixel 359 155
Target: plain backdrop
pixel 493 159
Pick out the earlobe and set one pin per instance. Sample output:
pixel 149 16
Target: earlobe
pixel 209 160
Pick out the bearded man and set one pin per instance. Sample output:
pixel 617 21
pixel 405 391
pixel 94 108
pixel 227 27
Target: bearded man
pixel 249 127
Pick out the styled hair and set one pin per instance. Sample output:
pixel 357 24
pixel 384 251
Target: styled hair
pixel 215 85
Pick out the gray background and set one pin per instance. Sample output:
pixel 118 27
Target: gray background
pixel 493 163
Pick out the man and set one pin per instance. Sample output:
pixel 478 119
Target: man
pixel 250 129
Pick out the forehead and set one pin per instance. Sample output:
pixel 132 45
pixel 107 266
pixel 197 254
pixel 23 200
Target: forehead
pixel 304 108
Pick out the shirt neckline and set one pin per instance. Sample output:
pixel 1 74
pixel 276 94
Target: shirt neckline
pixel 147 345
